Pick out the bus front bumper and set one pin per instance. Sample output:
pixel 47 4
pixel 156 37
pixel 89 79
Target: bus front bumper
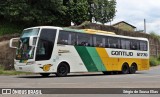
pixel 25 68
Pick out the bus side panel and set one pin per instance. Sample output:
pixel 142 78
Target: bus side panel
pixel 105 58
pixel 145 64
pixel 70 55
pixel 86 58
pixel 114 63
pixel 96 58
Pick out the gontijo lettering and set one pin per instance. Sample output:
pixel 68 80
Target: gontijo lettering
pixel 122 53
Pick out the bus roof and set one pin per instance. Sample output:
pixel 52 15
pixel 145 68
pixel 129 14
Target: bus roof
pixel 90 31
pixel 52 27
pixel 104 33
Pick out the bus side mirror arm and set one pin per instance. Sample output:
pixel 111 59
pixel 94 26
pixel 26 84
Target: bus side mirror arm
pixel 11 43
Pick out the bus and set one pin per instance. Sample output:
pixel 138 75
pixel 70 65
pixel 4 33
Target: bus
pixel 55 50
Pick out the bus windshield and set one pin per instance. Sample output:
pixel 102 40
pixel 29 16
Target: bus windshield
pixel 24 51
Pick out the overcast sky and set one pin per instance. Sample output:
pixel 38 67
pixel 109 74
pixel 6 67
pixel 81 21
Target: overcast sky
pixel 135 11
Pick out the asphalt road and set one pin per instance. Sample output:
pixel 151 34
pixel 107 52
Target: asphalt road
pixel 142 79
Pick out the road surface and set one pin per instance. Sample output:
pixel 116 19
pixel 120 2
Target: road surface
pixel 142 79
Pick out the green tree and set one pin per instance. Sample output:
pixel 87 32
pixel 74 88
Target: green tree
pixel 56 12
pixel 155 35
pixel 103 10
pixel 33 12
pixel 91 8
pixel 78 11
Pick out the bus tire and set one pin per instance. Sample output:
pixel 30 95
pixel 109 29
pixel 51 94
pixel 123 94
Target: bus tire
pixel 125 68
pixel 132 69
pixel 62 70
pixel 45 74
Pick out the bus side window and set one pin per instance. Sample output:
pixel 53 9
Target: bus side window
pixel 125 44
pixel 98 41
pixel 143 46
pixel 134 45
pixel 72 38
pixel 84 39
pixel 63 37
pixel 114 42
pixel 106 42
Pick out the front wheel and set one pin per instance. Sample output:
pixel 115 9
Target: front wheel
pixel 62 70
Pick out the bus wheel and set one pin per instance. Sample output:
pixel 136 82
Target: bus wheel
pixel 62 70
pixel 125 69
pixel 45 74
pixel 132 69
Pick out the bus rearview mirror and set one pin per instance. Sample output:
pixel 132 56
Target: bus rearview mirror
pixel 14 42
pixel 32 41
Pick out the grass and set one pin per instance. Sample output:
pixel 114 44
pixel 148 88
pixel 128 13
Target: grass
pixel 154 61
pixel 11 72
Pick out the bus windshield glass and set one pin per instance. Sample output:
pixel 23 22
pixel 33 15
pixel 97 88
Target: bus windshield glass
pixel 24 51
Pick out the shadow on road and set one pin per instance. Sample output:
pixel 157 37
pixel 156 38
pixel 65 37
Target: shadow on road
pixel 51 76
pixel 75 75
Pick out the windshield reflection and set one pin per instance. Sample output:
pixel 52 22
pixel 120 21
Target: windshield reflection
pixel 24 51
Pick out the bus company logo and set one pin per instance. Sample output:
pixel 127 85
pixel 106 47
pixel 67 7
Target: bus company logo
pixel 46 67
pixel 6 91
pixel 121 53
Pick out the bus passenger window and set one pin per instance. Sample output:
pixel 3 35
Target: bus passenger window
pixel 125 44
pixel 63 37
pixel 143 46
pixel 114 42
pixel 98 41
pixel 106 42
pixel 134 45
pixel 84 39
pixel 66 38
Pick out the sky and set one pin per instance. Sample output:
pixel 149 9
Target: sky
pixel 135 11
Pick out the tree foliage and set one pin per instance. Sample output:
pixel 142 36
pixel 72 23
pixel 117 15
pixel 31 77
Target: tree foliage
pixel 104 10
pixel 56 12
pixel 33 12
pixel 156 36
pixel 78 11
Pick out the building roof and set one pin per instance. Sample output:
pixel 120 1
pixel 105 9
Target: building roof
pixel 125 23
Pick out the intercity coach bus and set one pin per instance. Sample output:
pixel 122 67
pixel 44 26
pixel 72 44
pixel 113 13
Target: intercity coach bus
pixel 46 50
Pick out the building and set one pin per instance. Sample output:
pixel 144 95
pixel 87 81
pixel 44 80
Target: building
pixel 124 26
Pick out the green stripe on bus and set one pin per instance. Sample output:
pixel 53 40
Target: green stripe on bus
pixel 96 58
pixel 86 58
pixel 74 30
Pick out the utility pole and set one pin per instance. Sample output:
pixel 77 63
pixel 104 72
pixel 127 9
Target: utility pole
pixel 144 25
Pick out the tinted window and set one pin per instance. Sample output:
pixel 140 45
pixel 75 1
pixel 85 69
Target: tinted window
pixel 143 45
pixel 98 41
pixel 113 42
pixel 66 38
pixel 125 44
pixel 106 42
pixel 84 39
pixel 45 44
pixel 134 45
